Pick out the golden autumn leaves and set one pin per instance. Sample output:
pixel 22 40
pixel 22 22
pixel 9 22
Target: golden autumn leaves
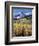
pixel 22 29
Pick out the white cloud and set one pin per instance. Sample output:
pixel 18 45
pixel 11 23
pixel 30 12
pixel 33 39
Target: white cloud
pixel 29 13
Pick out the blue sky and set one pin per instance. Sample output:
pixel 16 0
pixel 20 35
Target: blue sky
pixel 16 11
